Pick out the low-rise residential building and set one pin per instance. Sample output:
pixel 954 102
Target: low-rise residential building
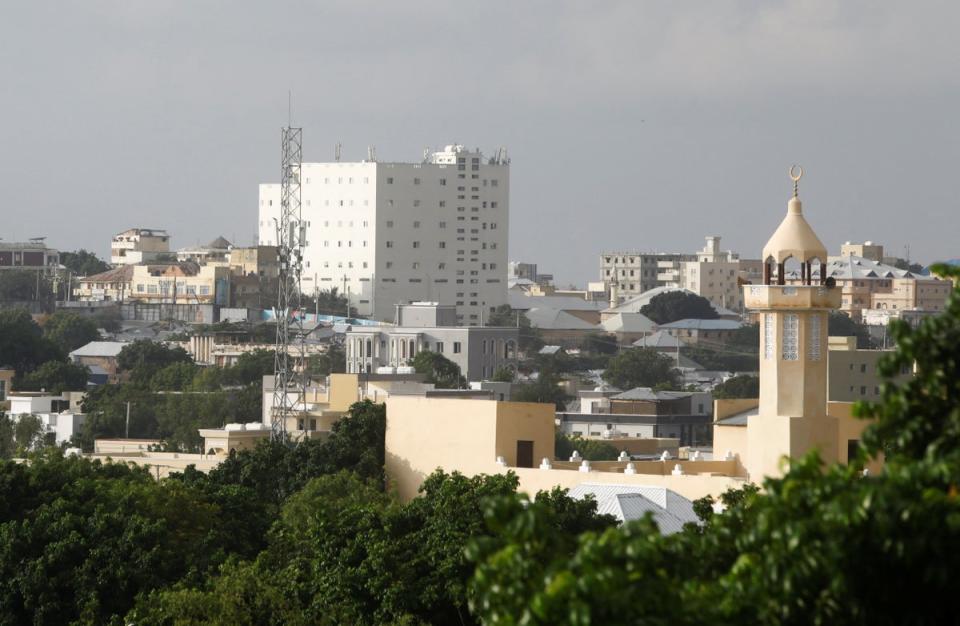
pixel 101 358
pixel 852 373
pixel 174 283
pixel 478 350
pixel 867 284
pixel 692 331
pixel 30 255
pixel 217 251
pixel 139 245
pixel 260 261
pixel 866 250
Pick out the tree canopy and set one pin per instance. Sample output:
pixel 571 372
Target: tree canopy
pixel 742 386
pixel 672 306
pixel 440 370
pixel 641 367
pixel 70 331
pixel 83 263
pixel 504 316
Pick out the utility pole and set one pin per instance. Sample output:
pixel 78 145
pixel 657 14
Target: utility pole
pixel 127 430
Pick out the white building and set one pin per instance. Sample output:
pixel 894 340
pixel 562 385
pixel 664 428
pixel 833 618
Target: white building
pixel 139 245
pixel 389 233
pixel 713 275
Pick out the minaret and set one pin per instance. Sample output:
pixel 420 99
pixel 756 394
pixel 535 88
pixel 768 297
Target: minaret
pixel 792 310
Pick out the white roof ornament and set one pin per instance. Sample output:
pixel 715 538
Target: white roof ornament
pixel 665 456
pixel 502 462
pixel 677 470
pixel 545 464
pixel 630 469
pixel 585 466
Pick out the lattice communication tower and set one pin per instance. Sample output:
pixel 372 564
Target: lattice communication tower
pixel 289 392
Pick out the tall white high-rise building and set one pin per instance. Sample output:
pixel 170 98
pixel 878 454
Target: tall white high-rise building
pixel 390 233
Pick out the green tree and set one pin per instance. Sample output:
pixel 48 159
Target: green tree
pixel 328 302
pixel 143 358
pixel 641 367
pixel 251 367
pixel 743 386
pixel 600 343
pixel 590 449
pixel 25 286
pixel 842 325
pixel 504 316
pixel 110 320
pixel 504 374
pixel 83 263
pixel 70 331
pixel 22 344
pixel 821 545
pixel 678 305
pixel 439 370
pixel 174 377
pixel 8 444
pixel 545 388
pixel 56 377
pixel 333 361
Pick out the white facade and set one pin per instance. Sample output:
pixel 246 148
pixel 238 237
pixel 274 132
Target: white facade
pixel 713 275
pixel 387 233
pixel 138 245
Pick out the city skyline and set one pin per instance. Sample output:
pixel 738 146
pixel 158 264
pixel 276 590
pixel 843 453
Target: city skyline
pixel 631 128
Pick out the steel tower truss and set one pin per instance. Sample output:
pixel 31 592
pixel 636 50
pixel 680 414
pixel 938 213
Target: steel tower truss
pixel 289 394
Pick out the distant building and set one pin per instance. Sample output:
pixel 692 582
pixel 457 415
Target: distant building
pixel 175 283
pixel 713 274
pixel 217 251
pixel 635 272
pixel 31 255
pixel 389 233
pixel 709 332
pixel 139 245
pixel 867 250
pixel 852 373
pixel 478 351
pixel 100 356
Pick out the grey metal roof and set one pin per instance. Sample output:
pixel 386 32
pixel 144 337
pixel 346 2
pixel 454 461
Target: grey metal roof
pixel 549 350
pixel 556 319
pixel 659 339
pixel 628 323
pixel 857 267
pixel 693 324
pixel 646 393
pixel 520 300
pixel 100 348
pixel 670 510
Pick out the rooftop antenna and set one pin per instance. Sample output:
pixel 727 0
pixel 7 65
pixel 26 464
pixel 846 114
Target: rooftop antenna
pixel 290 389
pixel 372 153
pixel 336 151
pixel 796 173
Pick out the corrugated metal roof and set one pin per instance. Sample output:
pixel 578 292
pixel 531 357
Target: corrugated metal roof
pixel 670 510
pixel 628 323
pixel 555 319
pixel 693 324
pixel 100 348
pixel 646 393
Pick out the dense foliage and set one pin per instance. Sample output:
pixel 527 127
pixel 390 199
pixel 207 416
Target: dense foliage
pixel 589 449
pixel 743 386
pixel 673 306
pixel 504 316
pixel 83 263
pixel 439 370
pixel 818 546
pixel 70 331
pixel 641 367
pixel 546 387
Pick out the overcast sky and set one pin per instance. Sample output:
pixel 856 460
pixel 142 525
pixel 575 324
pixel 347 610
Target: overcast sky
pixel 631 125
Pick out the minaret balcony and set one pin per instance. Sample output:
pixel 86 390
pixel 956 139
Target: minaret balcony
pixel 787 297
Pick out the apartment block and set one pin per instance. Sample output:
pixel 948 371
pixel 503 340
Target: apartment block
pixel 179 283
pixel 139 245
pixel 386 233
pixel 714 274
pixel 635 272
pixel 478 350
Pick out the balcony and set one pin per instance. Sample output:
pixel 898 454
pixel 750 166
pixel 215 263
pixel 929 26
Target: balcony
pixel 791 297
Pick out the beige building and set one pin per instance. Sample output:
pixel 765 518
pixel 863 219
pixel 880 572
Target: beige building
pixel 139 245
pixel 853 373
pixel 867 250
pixel 714 275
pixel 175 283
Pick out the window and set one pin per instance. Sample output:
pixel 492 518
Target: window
pixel 791 324
pixel 416 224
pixel 416 181
pixel 813 337
pixel 443 182
pixel 456 347
pixel 769 334
pixel 389 244
pixel 416 244
pixel 439 349
pixel 416 265
pixel 389 180
pixel 389 223
pixel 863 368
pixel 443 244
pixel 443 224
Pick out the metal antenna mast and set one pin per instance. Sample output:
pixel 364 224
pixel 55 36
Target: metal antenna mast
pixel 289 391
